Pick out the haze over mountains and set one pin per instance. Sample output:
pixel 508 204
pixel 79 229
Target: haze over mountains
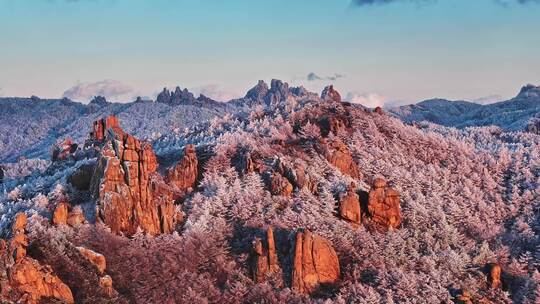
pixel 31 125
pixel 511 115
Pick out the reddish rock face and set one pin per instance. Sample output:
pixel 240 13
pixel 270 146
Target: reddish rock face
pixel 106 284
pixel 315 263
pixel 37 282
pixel 95 258
pixel 63 150
pixel 383 205
pixel 125 184
pixel 19 242
pixel 183 176
pixel 464 298
pixel 76 217
pixel 60 215
pixel 296 174
pixel 329 94
pixel 265 262
pixel 279 185
pixel 100 127
pixel 337 153
pixel 378 110
pixel 19 224
pixel 334 123
pixel 349 206
pixel 494 277
pixel 27 281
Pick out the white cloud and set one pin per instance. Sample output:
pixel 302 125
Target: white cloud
pixel 488 99
pixel 314 77
pixel 111 89
pixel 216 92
pixel 370 100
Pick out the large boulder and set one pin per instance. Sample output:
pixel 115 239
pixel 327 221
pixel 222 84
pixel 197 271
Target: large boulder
pixel 60 214
pixel 265 262
pixel 25 280
pixel 339 155
pixel 315 265
pixel 383 205
pixel 279 185
pixel 494 277
pixel 183 176
pixel 349 206
pixel 106 285
pixel 125 184
pixel 95 258
pixel 76 217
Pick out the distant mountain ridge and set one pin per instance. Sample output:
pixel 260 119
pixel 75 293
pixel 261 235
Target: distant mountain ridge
pixel 30 126
pixel 511 115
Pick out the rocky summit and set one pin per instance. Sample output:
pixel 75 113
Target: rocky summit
pixel 130 194
pixel 292 197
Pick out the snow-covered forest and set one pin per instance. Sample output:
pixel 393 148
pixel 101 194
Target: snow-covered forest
pixel 469 197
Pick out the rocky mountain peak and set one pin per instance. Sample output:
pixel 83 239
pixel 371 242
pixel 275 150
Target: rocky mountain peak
pixel 277 93
pixel 177 97
pixel 258 92
pixel 129 192
pixel 99 101
pixel 330 94
pixel 529 91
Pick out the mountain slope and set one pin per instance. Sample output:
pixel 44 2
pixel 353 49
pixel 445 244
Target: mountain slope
pixel 30 126
pixel 468 198
pixel 511 115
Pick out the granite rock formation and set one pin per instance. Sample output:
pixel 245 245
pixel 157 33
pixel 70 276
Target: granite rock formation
pixel 23 279
pixel 95 258
pixel 60 214
pixel 383 206
pixel 265 261
pixel 339 155
pixel 330 94
pixel 100 127
pixel 349 206
pixel 494 277
pixel 183 176
pixel 315 263
pixel 131 195
pixel 279 185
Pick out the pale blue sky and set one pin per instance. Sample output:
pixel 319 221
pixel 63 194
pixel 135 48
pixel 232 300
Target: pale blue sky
pixel 403 51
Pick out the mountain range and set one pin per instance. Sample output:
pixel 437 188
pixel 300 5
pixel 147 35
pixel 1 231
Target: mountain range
pixel 282 196
pixel 510 115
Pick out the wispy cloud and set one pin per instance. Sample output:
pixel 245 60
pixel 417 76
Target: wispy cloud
pixel 216 92
pixel 488 99
pixel 109 88
pixel 314 77
pixel 370 100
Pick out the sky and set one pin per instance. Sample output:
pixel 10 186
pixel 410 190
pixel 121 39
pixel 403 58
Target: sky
pixel 374 51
